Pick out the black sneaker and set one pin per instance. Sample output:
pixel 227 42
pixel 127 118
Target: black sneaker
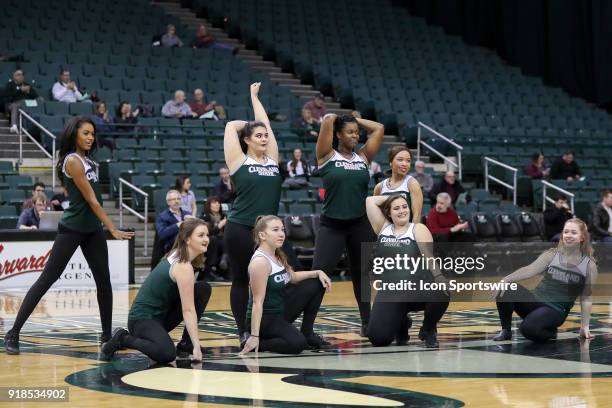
pixel 429 337
pixel 316 342
pixel 109 348
pixel 244 336
pixel 402 337
pixel 11 342
pixel 364 330
pixel 185 347
pixel 504 334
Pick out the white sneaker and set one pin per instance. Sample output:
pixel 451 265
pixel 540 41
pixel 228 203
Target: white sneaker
pixel 13 129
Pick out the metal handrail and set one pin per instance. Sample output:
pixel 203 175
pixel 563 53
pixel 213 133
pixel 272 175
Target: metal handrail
pixel 458 164
pixel 487 176
pixel 23 130
pixel 144 217
pixel 545 198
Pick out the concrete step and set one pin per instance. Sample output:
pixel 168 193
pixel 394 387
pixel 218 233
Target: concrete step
pixel 286 81
pixel 14 154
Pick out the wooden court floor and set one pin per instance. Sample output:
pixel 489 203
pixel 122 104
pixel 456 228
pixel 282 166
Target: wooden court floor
pixel 59 349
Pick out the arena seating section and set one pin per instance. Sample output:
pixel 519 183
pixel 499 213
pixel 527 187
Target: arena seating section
pixel 369 55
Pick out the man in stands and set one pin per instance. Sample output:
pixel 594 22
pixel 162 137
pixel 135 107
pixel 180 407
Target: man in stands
pixel 15 93
pixel 30 217
pixel 316 107
pixel 39 188
pixel 168 221
pixel 170 39
pixel 555 217
pixel 602 218
pixel 444 224
pixel 203 39
pixel 65 90
pixel 449 184
pixel 224 189
pixel 178 108
pixel 565 168
pixel 205 110
pixel 424 179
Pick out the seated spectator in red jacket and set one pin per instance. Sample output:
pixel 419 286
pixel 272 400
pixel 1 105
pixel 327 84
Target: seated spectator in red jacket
pixel 38 188
pixel 444 224
pixel 537 169
pixel 209 110
pixel 316 107
pixel 203 39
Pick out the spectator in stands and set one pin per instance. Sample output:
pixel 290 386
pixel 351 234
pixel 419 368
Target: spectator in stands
pixel 424 179
pixel 168 221
pixel 38 188
pixel 308 123
pixel 298 171
pixel 125 117
pixel 104 125
pixel 224 188
pixel 565 168
pixel 188 198
pixel 555 218
pixel 376 172
pixel 30 217
pixel 60 200
pixel 205 110
pixel 216 258
pixel 444 223
pixel 316 107
pixel 178 108
pixel 15 93
pixel 537 169
pixel 65 90
pixel 449 184
pixel 602 218
pixel 170 39
pixel 203 39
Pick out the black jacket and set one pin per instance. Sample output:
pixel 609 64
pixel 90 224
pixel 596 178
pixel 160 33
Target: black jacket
pixel 454 190
pixel 562 170
pixel 601 221
pixel 554 220
pixel 13 93
pixel 224 194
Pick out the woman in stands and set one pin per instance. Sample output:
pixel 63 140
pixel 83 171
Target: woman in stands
pixel 345 174
pixel 80 226
pixel 188 198
pixel 279 295
pixel 168 296
pixel 397 236
pixel 569 272
pixel 251 155
pixel 401 183
pixel 216 219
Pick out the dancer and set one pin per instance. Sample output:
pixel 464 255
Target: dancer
pixel 569 272
pixel 279 295
pixel 401 183
pixel 251 155
pixel 79 227
pixel 169 295
pixel 344 224
pixel 397 236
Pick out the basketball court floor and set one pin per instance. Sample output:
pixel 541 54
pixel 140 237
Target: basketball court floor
pixel 60 349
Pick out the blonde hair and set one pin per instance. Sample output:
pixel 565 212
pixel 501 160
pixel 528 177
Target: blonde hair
pixel 585 246
pixel 261 223
pixel 186 229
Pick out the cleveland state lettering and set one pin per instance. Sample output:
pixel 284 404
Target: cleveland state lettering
pixel 563 276
pixel 351 165
pixel 282 277
pixel 393 239
pixel 264 171
pixel 91 175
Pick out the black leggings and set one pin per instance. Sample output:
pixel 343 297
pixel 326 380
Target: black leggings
pixel 333 238
pixel 388 317
pixel 95 250
pixel 150 336
pixel 240 247
pixel 540 321
pixel 277 333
